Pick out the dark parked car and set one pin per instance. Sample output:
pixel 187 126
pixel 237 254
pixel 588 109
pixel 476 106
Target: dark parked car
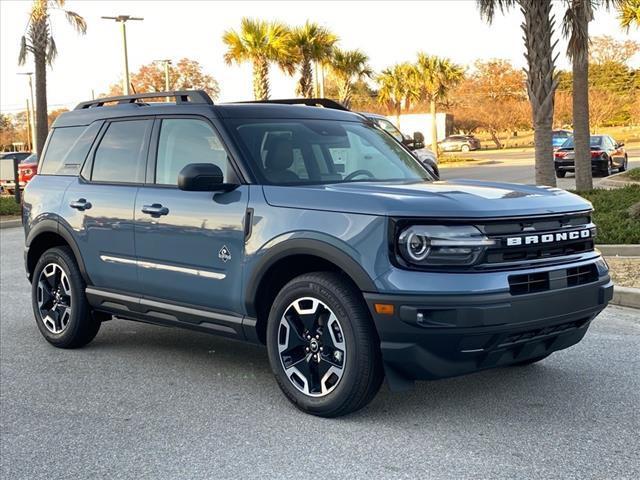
pixel 559 137
pixel 415 143
pixel 7 178
pixel 307 230
pixel 607 155
pixel 460 143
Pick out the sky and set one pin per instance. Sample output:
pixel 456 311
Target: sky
pixel 388 31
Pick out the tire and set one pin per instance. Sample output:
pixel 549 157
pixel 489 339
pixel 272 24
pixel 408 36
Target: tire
pixel 607 171
pixel 333 309
pixel 65 319
pixel 625 164
pixel 531 361
pixel 465 148
pixel 561 173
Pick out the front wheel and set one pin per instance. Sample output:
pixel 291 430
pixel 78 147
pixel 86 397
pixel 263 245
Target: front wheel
pixel 322 345
pixel 59 304
pixel 465 148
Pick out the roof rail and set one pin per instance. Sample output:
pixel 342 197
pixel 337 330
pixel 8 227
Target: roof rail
pixel 182 96
pixel 310 102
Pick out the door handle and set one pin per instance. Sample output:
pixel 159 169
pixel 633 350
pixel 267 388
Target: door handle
pixel 155 210
pixel 80 204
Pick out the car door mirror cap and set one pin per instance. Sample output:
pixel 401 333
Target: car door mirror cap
pixel 203 177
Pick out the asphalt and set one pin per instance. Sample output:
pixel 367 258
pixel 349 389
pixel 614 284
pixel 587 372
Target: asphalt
pixel 151 402
pixel 514 165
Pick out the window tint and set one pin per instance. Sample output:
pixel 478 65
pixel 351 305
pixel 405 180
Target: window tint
pixel 185 141
pixel 60 143
pixel 120 157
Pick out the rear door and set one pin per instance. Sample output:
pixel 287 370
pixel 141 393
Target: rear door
pixel 190 245
pixel 98 205
pixel 617 153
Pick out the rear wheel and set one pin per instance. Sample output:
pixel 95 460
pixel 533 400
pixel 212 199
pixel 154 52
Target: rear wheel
pixel 608 170
pixel 59 304
pixel 323 348
pixel 625 164
pixel 561 173
pixel 465 148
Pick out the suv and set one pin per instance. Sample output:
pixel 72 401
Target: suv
pixel 305 229
pixel 415 143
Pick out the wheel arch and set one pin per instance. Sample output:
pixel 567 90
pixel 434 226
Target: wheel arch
pixel 290 259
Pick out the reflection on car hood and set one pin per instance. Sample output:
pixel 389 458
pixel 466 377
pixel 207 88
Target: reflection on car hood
pixel 449 199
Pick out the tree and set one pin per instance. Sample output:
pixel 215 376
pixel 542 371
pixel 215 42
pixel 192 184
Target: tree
pixel 398 87
pixel 39 41
pixel 605 50
pixel 629 13
pixel 537 27
pixel 312 43
pixel 348 67
pixel 187 74
pixel 603 105
pixel 260 43
pixel 436 77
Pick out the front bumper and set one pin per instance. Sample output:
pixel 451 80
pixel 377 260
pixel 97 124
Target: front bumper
pixel 459 334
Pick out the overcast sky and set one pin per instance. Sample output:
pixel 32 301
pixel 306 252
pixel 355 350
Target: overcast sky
pixel 388 31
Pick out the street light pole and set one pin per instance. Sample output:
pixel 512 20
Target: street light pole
pixel 166 62
pixel 123 19
pixel 33 110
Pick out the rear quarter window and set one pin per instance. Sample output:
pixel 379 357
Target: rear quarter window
pixel 67 149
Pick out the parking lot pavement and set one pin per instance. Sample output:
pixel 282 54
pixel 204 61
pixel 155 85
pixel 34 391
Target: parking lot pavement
pixel 152 402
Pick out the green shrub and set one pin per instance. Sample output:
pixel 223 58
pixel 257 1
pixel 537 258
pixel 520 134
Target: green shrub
pixel 8 206
pixel 615 213
pixel 633 174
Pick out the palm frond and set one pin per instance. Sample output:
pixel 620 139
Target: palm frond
pixel 52 50
pixel 77 21
pixel 22 56
pixel 488 8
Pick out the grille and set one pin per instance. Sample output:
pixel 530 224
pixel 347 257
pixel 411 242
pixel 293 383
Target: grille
pixel 543 281
pixel 540 333
pixel 501 253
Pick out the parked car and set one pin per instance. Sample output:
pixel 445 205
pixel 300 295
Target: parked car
pixel 7 178
pixel 27 168
pixel 307 230
pixel 558 137
pixel 607 155
pixel 415 143
pixel 460 143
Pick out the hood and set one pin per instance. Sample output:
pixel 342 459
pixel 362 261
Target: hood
pixel 449 199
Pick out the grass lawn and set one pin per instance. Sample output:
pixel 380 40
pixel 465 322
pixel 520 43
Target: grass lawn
pixel 616 213
pixel 633 174
pixel 8 206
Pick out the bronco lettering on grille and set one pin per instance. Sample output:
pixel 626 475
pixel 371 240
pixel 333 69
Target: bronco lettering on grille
pixel 548 238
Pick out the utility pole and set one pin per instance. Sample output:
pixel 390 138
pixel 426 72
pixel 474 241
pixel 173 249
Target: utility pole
pixel 29 128
pixel 33 110
pixel 123 19
pixel 166 62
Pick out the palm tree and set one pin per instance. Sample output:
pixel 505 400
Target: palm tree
pixel 629 13
pixel 436 76
pixel 313 43
pixel 398 86
pixel 349 67
pixel 260 43
pixel 39 41
pixel 542 82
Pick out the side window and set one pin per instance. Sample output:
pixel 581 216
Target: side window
pixel 120 157
pixel 60 144
pixel 184 141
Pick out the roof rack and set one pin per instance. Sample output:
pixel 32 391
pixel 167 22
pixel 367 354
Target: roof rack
pixel 183 96
pixel 310 102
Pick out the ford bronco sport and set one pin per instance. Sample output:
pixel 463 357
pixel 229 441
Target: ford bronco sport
pixel 300 225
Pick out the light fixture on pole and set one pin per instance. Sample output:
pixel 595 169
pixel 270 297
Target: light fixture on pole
pixel 32 114
pixel 123 19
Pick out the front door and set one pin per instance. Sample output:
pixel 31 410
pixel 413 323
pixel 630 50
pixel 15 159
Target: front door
pixel 190 245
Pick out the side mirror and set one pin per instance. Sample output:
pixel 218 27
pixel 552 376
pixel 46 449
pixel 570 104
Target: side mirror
pixel 418 139
pixel 621 144
pixel 202 177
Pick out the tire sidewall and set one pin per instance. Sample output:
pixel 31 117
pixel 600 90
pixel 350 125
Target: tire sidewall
pixel 341 394
pixel 79 310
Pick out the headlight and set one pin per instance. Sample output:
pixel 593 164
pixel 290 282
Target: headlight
pixel 440 245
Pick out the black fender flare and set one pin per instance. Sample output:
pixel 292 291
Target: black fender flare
pixel 50 225
pixel 305 246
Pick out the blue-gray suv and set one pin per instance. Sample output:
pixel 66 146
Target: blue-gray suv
pixel 302 226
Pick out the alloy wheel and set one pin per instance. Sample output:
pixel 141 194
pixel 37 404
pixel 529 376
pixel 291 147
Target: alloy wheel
pixel 54 298
pixel 311 346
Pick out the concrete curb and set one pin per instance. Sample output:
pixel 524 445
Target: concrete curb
pixel 626 297
pixel 631 250
pixel 613 181
pixel 10 223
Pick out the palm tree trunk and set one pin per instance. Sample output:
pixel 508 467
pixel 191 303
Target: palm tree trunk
pixel 541 83
pixel 345 93
pixel 434 127
pixel 305 85
pixel 42 126
pixel 398 113
pixel 584 178
pixel 261 79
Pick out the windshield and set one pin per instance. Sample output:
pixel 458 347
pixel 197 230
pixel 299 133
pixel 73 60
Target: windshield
pixel 290 152
pixel 595 141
